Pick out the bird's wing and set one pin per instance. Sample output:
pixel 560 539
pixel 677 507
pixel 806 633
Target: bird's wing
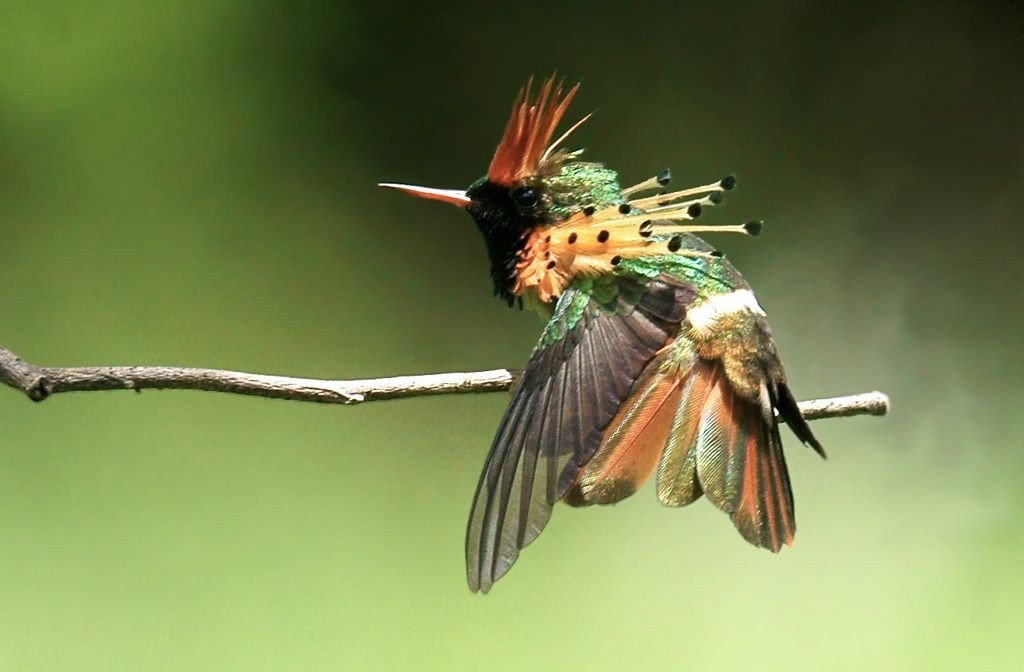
pixel 601 335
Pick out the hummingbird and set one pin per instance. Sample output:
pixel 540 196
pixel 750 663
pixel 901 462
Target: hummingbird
pixel 655 358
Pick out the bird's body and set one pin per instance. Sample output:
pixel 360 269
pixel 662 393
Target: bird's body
pixel 656 356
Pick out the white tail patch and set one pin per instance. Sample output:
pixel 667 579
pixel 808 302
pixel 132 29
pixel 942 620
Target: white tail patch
pixel 704 316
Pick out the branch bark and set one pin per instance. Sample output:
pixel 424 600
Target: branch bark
pixel 38 383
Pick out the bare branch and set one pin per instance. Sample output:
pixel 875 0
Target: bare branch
pixel 38 383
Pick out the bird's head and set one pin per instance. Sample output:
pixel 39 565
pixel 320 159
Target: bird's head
pixel 548 217
pixel 532 182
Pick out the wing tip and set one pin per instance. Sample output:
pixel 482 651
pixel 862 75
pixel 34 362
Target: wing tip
pixel 478 581
pixel 789 410
pixel 818 448
pixel 482 575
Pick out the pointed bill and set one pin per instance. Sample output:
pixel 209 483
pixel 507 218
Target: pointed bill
pixel 454 196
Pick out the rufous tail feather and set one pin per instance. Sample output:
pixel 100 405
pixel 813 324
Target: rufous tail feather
pixel 709 439
pixel 729 448
pixel 632 444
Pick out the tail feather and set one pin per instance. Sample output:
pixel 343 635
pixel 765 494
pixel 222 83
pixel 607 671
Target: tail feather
pixel 677 481
pixel 728 447
pixel 634 439
pixel 710 440
pixel 764 512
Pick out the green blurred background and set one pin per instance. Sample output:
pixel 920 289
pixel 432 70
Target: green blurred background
pixel 193 184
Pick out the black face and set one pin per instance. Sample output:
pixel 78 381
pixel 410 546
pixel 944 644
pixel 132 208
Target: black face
pixel 505 217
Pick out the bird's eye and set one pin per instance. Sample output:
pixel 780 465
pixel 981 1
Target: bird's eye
pixel 526 197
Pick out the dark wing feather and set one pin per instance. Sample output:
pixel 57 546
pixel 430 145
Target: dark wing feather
pixel 789 411
pixel 570 390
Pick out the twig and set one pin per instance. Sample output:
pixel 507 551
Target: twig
pixel 38 383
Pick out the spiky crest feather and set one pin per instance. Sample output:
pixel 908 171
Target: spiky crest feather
pixel 524 150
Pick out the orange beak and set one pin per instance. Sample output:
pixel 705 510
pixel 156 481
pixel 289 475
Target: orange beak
pixel 453 196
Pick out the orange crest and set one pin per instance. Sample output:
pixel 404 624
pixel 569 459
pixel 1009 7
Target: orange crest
pixel 524 150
